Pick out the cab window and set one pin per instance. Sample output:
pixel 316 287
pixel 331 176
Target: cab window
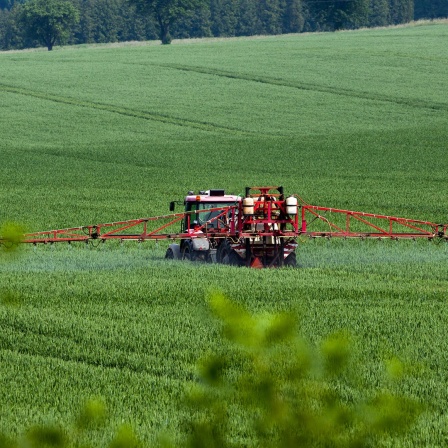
pixel 201 218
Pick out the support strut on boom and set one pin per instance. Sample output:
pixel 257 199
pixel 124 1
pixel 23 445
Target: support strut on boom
pixel 260 229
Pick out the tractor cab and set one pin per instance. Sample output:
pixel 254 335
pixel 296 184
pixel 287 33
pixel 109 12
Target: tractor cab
pixel 206 209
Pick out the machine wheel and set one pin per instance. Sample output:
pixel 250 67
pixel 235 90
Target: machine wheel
pixel 169 254
pixel 235 259
pixel 291 260
pixel 188 253
pixel 226 255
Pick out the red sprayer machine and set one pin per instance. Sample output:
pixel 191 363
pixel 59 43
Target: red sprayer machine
pixel 259 229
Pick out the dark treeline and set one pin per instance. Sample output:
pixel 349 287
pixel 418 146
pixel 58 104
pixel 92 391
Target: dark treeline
pixel 116 20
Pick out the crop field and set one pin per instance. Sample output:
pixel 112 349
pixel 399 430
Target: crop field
pixel 352 120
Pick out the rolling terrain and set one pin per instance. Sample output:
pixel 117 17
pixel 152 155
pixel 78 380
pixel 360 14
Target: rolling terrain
pixel 354 120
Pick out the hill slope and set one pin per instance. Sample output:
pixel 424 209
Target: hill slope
pixel 354 120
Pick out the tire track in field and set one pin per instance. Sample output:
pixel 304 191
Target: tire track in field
pixel 124 359
pixel 88 363
pixel 416 103
pixel 201 125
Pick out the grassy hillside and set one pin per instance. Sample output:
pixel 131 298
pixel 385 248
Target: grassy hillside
pixel 355 120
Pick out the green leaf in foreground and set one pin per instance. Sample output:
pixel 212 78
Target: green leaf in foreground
pixel 11 235
pixel 93 414
pixel 125 438
pixel 284 392
pixel 46 437
pixel 9 298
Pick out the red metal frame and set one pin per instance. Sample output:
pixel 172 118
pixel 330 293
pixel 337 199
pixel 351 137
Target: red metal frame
pixel 373 225
pixel 269 219
pixel 141 226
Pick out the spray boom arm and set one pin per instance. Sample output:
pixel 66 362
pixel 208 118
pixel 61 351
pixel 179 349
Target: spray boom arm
pixel 276 219
pixel 350 224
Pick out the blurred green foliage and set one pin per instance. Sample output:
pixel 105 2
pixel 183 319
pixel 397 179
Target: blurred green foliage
pixel 11 235
pixel 92 416
pixel 9 297
pixel 125 438
pixel 286 389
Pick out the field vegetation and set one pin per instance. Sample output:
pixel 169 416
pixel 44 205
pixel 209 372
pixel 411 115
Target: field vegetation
pixel 355 120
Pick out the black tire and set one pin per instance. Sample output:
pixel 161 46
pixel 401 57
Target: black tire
pixel 169 254
pixel 290 261
pixel 188 252
pixel 220 253
pixel 226 255
pixel 235 259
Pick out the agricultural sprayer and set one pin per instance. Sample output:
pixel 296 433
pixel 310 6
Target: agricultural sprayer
pixel 259 229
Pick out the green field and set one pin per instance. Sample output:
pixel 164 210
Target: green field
pixel 354 120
